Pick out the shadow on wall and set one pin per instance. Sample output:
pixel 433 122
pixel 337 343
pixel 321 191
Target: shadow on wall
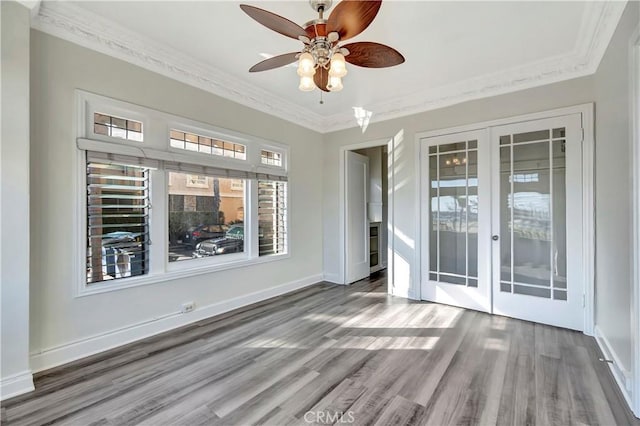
pixel 403 246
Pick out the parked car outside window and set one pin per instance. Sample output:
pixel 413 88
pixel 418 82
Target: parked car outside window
pixel 195 234
pixel 232 242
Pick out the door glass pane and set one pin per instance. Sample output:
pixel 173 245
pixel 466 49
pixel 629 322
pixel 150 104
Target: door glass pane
pixel 472 214
pixel 453 238
pixel 505 214
pixel 458 146
pixel 453 206
pixel 452 279
pixel 531 136
pixel 433 201
pixel 532 291
pixel 533 214
pixel 559 255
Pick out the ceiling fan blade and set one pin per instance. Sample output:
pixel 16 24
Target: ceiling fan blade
pixel 351 17
pixel 372 55
pixel 321 78
pixel 274 22
pixel 275 62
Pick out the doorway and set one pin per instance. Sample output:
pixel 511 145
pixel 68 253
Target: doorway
pixel 366 211
pixel 502 220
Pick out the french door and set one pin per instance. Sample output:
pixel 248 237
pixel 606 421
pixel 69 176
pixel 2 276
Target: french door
pixel 502 220
pixel 456 204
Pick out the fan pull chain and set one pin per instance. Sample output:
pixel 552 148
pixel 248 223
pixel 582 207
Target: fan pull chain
pixel 321 101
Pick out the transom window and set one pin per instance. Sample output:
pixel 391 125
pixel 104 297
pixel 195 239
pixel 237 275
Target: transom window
pixel 271 158
pixel 197 143
pixel 108 125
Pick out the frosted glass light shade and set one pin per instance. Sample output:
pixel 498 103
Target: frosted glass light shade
pixel 335 84
pixel 338 66
pixel 306 65
pixel 306 84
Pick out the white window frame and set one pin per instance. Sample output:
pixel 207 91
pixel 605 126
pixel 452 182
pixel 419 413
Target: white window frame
pixel 156 144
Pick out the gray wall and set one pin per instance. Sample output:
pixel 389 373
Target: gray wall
pixel 14 199
pixel 567 93
pixel 57 318
pixel 613 190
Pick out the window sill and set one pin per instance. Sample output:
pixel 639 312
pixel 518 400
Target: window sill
pixel 121 284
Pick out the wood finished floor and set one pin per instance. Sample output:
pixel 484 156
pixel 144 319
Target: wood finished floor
pixel 333 349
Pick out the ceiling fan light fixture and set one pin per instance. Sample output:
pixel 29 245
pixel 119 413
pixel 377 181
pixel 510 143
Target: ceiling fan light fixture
pixel 338 65
pixel 306 84
pixel 322 60
pixel 335 84
pixel 306 65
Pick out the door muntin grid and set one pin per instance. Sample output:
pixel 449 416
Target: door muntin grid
pixel 533 249
pixel 453 209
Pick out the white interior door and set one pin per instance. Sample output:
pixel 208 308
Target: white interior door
pixel 502 223
pixel 537 221
pixel 456 220
pixel 357 221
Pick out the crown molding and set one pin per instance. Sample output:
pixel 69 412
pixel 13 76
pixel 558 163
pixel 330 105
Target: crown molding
pixel 80 26
pixel 77 25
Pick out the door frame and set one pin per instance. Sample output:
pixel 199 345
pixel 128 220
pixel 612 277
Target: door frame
pixel 634 107
pixel 342 208
pixel 586 112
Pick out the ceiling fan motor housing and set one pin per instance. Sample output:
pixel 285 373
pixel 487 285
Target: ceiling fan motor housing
pixel 321 49
pixel 320 4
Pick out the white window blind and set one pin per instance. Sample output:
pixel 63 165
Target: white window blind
pixel 272 217
pixel 117 220
pixel 155 162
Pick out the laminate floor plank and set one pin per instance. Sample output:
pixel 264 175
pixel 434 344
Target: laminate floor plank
pixel 331 354
pixel 518 398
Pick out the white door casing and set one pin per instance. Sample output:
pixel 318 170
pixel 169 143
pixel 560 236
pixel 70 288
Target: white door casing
pixel 357 222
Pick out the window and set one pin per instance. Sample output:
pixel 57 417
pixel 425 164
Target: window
pixel 270 158
pixel 192 142
pixel 209 227
pixel 116 127
pixel 200 193
pixel 117 221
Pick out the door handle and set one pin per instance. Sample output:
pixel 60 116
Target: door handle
pixel 495 237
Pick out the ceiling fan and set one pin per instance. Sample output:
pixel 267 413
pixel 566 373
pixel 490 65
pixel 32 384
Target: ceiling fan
pixel 321 63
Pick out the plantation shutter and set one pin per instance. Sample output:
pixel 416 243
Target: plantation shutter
pixel 272 217
pixel 117 218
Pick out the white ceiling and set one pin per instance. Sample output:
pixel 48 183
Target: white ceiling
pixel 454 51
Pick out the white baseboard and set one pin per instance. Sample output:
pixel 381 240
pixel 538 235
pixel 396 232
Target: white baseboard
pixel 16 385
pixel 333 278
pixel 63 354
pixel 402 292
pixel 620 374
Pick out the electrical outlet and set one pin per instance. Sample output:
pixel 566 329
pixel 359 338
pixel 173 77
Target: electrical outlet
pixel 188 307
